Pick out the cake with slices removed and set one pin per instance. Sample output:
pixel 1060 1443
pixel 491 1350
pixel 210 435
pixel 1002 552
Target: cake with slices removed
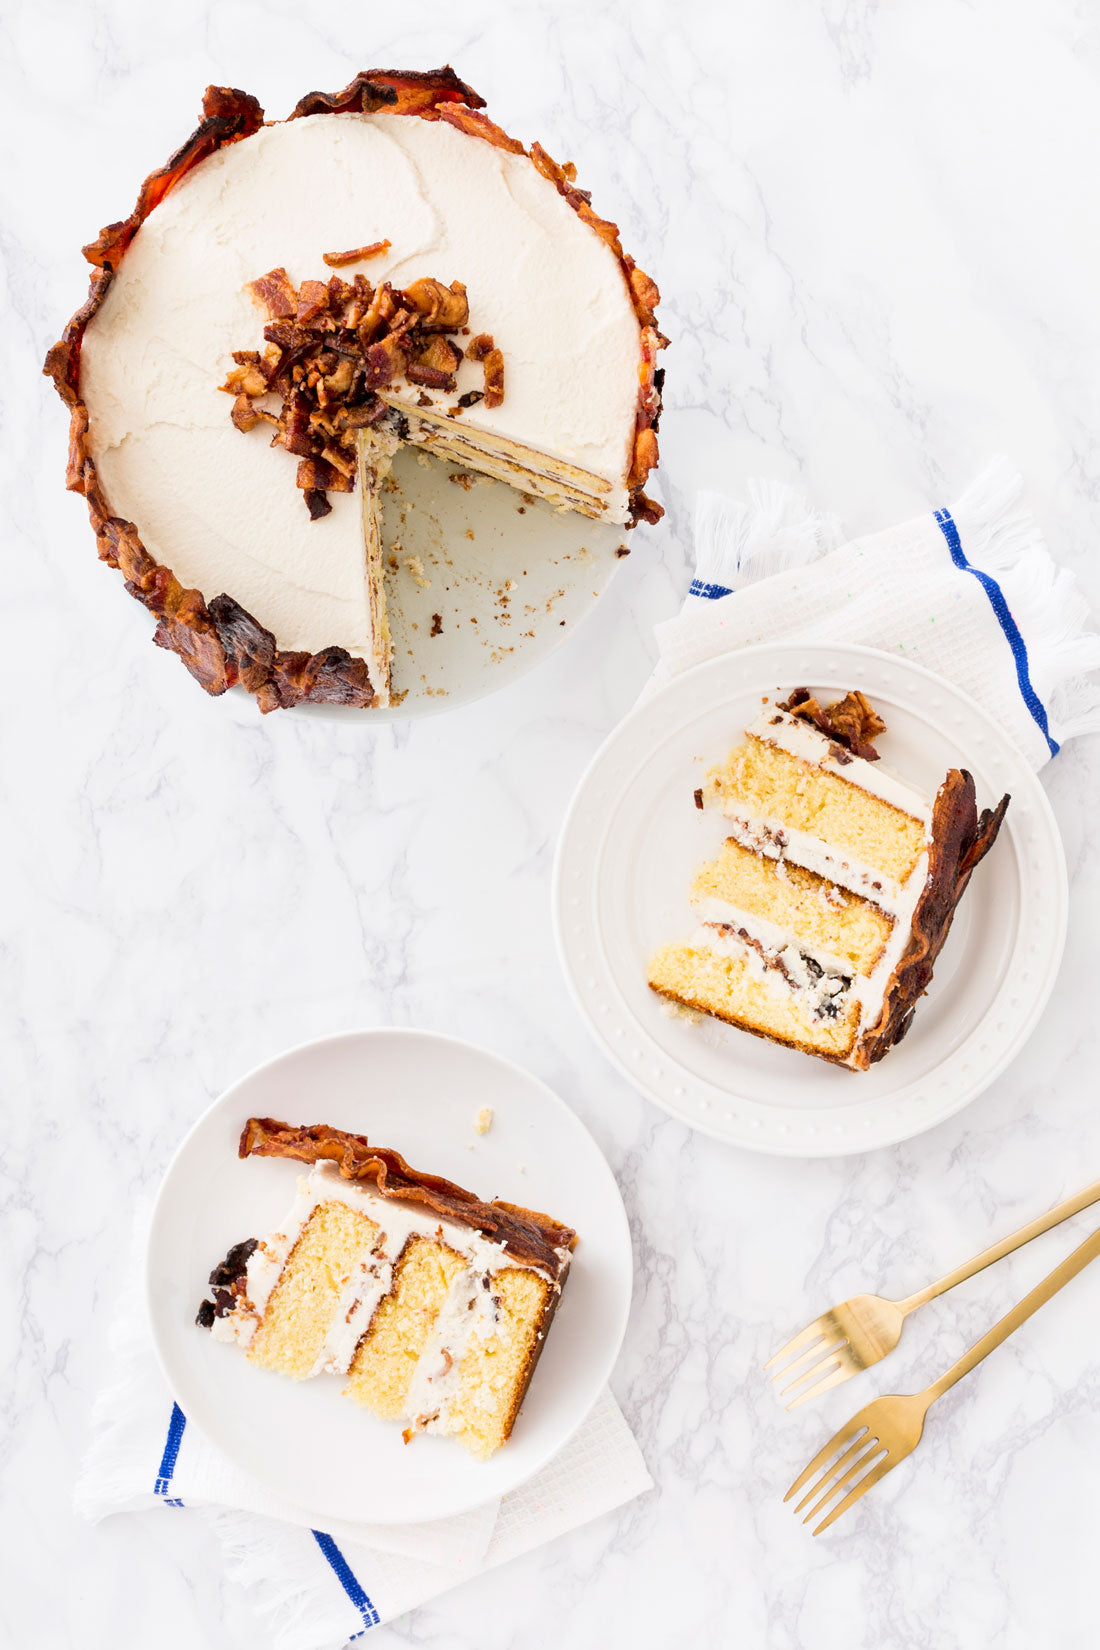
pixel 818 921
pixel 431 1305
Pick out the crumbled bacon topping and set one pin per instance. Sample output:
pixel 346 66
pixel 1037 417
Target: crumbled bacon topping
pixel 331 346
pixel 494 378
pixel 852 722
pixel 481 348
pixel 275 293
pixel 337 260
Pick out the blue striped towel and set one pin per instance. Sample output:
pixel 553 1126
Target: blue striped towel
pixel 315 1589
pixel 970 592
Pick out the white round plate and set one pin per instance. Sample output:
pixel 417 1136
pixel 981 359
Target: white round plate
pixel 509 576
pixel 418 1093
pixel 633 839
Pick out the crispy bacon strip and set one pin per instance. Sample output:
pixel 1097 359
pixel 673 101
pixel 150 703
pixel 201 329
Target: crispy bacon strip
pixel 530 1236
pixel 960 839
pixel 337 260
pixel 228 116
pixel 479 125
pixel 410 92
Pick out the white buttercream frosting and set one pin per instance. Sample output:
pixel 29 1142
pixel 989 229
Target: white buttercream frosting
pixel 221 508
pixel 782 842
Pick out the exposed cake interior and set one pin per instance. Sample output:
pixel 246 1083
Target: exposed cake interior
pixel 433 1321
pixel 375 448
pixel 809 909
pixel 563 485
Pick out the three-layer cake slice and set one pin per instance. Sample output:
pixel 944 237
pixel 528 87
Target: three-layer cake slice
pixel 819 920
pixel 433 1305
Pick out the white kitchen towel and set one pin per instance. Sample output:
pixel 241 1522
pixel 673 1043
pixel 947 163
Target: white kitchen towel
pixel 970 592
pixel 316 1589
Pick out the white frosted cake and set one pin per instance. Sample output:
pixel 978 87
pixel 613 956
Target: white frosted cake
pixel 407 171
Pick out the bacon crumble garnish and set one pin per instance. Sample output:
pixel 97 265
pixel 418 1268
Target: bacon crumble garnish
pixel 275 292
pixel 494 378
pixel 851 722
pixel 331 346
pixel 441 308
pixel 337 260
pixel 481 348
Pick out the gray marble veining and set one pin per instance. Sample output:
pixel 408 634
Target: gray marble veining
pixel 876 229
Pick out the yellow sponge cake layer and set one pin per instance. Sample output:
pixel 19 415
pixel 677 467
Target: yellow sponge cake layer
pixel 295 1325
pixel 494 1371
pixel 383 1368
pixel 814 912
pixel 732 985
pixel 773 784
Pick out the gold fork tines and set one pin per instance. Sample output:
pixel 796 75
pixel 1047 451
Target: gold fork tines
pixel 889 1429
pixel 859 1455
pixel 838 1345
pixel 860 1331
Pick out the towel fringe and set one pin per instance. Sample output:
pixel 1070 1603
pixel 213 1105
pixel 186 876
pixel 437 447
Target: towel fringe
pixel 1003 539
pixel 106 1482
pixel 279 1576
pixel 737 544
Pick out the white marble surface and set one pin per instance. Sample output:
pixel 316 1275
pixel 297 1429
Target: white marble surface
pixel 877 229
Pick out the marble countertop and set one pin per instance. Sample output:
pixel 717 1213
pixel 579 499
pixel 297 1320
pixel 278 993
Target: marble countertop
pixel 876 232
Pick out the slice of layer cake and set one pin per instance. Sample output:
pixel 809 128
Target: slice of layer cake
pixel 822 915
pixel 433 1305
pixel 374 455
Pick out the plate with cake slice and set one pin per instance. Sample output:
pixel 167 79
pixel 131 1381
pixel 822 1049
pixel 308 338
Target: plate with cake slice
pixel 810 899
pixel 399 1313
pixel 362 400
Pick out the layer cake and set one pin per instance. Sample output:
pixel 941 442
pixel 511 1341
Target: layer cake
pixel 379 194
pixel 819 920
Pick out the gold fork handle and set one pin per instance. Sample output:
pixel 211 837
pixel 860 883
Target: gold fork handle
pixel 1011 1321
pixel 1016 1240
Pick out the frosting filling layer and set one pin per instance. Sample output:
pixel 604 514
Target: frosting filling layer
pixel 466 1320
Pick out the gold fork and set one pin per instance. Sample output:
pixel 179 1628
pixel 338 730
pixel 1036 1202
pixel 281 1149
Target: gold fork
pixel 860 1331
pixel 889 1429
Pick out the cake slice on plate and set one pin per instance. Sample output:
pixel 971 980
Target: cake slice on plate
pixel 820 919
pixel 433 1305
